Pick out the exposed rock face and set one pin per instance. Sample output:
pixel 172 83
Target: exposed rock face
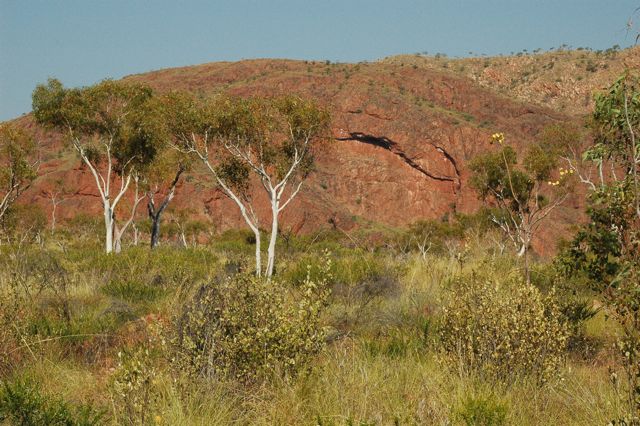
pixel 402 137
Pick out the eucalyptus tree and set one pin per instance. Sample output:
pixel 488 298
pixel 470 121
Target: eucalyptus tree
pixel 617 130
pixel 17 165
pixel 272 139
pixel 162 177
pixel 607 248
pixel 607 244
pixel 525 192
pixel 107 125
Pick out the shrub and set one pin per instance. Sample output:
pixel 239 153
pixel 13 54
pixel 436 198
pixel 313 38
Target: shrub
pixel 624 301
pixel 132 387
pixel 246 328
pixel 481 411
pixel 21 402
pixel 503 329
pixel 24 222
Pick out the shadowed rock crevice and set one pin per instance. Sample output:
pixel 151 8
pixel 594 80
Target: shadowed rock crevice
pixel 453 162
pixel 391 146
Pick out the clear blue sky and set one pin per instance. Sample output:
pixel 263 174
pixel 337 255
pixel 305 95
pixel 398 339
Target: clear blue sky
pixel 83 41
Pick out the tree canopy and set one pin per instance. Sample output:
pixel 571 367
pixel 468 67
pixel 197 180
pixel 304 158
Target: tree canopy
pixel 17 165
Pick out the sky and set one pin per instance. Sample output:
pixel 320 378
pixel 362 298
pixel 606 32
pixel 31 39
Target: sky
pixel 82 42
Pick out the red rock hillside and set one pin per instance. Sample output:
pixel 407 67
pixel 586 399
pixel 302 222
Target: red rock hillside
pixel 402 138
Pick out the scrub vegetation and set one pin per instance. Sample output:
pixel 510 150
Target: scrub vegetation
pixel 450 321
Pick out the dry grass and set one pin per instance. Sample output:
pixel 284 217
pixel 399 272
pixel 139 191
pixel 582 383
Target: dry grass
pixel 386 368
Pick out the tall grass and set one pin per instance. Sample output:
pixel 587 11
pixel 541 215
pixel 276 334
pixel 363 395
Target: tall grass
pixel 382 363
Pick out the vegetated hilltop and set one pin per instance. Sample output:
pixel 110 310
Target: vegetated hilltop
pixel 564 80
pixel 403 131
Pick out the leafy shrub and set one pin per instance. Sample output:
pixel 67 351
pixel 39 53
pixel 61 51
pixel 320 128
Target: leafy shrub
pixel 624 300
pixel 132 387
pixel 22 403
pixel 24 222
pixel 245 328
pixel 503 329
pixel 481 411
pixel 597 249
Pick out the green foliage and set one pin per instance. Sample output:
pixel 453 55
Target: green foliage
pixel 16 147
pixel 494 177
pixel 624 299
pixel 384 346
pixel 607 250
pixel 235 173
pixel 36 273
pixel 400 341
pixel 118 113
pixel 160 267
pixel 270 132
pixel 357 277
pixel 481 410
pixel 617 117
pixel 503 328
pixel 271 138
pixel 598 247
pixel 539 162
pixel 434 236
pixel 246 328
pixel 604 247
pixel 518 191
pixel 349 269
pixel 48 101
pixel 81 225
pixel 17 169
pixel 22 403
pixel 435 232
pixel 24 222
pixel 132 387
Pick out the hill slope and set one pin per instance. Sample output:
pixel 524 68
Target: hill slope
pixel 404 129
pixel 564 80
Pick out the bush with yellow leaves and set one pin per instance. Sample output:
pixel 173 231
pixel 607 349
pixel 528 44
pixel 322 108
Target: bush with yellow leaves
pixel 247 328
pixel 503 329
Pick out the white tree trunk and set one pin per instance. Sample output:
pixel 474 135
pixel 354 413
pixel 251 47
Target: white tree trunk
pixel 108 224
pixel 256 232
pixel 53 214
pixel 118 232
pixel 271 252
pixel 136 234
pixel 103 185
pixel 117 238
